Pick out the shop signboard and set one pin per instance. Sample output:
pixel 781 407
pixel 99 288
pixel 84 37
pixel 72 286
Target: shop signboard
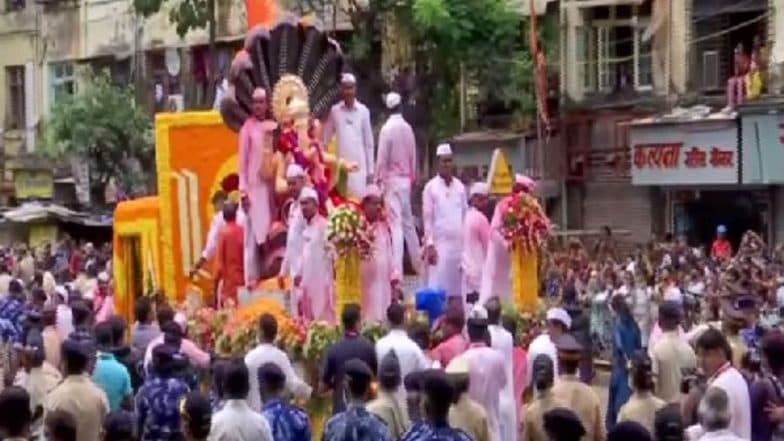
pixel 685 153
pixel 762 138
pixel 33 184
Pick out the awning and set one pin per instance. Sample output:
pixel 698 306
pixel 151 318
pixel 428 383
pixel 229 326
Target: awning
pixel 37 212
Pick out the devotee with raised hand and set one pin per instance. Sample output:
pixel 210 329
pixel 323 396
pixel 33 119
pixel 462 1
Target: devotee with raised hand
pixel 389 404
pixel 236 421
pixel 543 402
pixel 396 172
pixel 562 424
pixel 574 394
pixel 443 209
pixel 713 354
pixel 288 422
pixel 465 413
pixel 198 357
pixel 380 276
pixel 355 423
pixel 266 352
pixel 497 274
pixel 349 121
pixel 255 148
pixel 77 394
pixel 558 324
pixel 476 237
pixel 487 370
pixel 352 345
pixel 502 341
pixel 296 181
pixel 671 356
pixel 313 273
pixel 642 405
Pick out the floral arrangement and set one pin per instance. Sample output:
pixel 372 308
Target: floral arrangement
pixel 321 335
pixel 529 325
pixel 374 330
pixel 348 230
pixel 292 337
pixel 524 221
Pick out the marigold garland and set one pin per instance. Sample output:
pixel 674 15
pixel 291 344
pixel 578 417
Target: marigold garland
pixel 524 222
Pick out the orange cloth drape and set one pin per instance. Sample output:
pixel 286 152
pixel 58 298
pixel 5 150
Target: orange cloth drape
pixel 262 12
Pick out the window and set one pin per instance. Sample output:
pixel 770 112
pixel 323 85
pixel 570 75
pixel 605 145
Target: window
pixel 15 103
pixel 14 5
pixel 61 81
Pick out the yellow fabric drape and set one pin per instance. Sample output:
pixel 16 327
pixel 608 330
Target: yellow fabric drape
pixel 348 280
pixel 525 279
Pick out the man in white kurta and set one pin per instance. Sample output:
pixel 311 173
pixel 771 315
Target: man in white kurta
pixel 502 341
pixel 216 226
pixel 396 172
pixel 476 235
pixel 497 273
pixel 314 286
pixel 349 120
pixel 295 177
pixel 444 207
pixel 379 273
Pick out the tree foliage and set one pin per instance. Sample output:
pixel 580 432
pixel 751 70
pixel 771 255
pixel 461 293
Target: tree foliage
pixel 186 15
pixel 101 124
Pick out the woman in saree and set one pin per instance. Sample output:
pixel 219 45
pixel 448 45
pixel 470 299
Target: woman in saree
pixel 626 342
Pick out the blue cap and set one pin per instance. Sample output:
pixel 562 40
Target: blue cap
pixel 721 229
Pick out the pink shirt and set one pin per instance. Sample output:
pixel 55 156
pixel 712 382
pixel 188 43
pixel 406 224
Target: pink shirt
pixel 187 347
pixel 476 236
pixel 449 349
pixel 396 150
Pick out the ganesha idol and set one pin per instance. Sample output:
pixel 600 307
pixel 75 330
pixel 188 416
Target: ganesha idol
pixel 297 68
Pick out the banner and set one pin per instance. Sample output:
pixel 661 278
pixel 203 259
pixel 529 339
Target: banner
pixel 33 184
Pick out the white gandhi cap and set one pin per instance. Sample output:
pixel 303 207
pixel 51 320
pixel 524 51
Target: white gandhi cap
pixel 308 193
pixel 348 79
pixel 479 188
pixel 392 100
pixel 444 150
pixel 294 171
pixel 559 315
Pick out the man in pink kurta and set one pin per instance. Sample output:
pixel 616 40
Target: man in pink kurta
pixel 396 169
pixel 380 275
pixel 255 141
pixel 476 235
pixel 496 276
pixel 314 286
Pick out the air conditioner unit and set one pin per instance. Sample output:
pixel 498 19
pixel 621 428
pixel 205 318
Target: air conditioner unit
pixel 710 70
pixel 175 103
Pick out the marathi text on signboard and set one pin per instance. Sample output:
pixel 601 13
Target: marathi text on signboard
pixel 33 184
pixel 683 154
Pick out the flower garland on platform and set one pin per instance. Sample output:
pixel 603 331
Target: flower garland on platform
pixel 349 233
pixel 525 227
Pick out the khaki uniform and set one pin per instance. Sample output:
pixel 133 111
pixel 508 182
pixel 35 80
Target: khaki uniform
pixel 534 416
pixel 388 409
pixel 83 399
pixel 641 408
pixel 669 357
pixel 582 400
pixel 470 417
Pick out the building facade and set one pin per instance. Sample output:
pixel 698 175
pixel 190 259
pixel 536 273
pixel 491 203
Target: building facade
pixel 650 143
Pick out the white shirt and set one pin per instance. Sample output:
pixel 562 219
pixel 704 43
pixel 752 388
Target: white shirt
pixel 293 250
pixel 720 435
pixel 236 421
pixel 542 344
pixel 732 382
pixel 673 294
pixel 215 228
pixel 266 353
pixel 64 319
pixel 354 134
pixel 443 209
pixel 410 355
